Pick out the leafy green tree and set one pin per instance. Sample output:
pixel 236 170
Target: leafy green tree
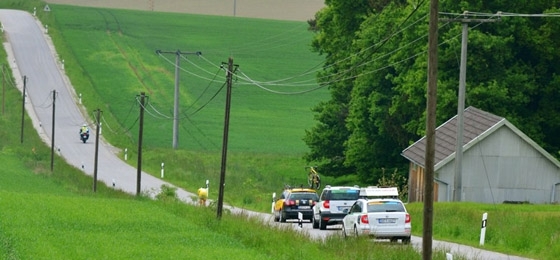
pixel 376 71
pixel 336 25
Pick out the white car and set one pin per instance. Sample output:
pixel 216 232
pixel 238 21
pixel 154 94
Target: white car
pixel 378 218
pixel 333 205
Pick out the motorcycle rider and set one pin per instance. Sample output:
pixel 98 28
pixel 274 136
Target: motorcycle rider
pixel 84 129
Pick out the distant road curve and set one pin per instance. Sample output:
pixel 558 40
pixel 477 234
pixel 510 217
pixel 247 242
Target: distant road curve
pixel 292 10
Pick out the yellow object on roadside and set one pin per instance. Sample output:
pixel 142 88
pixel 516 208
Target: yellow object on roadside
pixel 202 196
pixel 202 193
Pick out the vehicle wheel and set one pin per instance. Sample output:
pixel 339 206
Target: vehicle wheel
pixel 315 223
pixel 322 224
pixel 282 217
pixel 406 241
pixel 275 217
pixel 394 240
pixel 356 231
pixel 84 140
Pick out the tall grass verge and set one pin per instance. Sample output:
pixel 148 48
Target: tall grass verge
pixel 526 230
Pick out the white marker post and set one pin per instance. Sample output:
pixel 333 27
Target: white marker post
pixel 125 154
pixel 300 219
pixel 483 228
pixel 162 165
pixel 448 256
pixel 273 199
pixel 80 98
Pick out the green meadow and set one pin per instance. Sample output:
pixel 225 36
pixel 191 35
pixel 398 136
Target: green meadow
pixel 55 215
pixel 110 58
pixel 110 55
pixel 532 231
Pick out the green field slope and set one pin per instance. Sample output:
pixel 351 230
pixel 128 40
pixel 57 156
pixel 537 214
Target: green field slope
pixel 110 56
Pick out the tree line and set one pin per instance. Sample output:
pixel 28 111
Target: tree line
pixel 376 70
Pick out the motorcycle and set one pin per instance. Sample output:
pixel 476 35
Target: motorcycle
pixel 84 137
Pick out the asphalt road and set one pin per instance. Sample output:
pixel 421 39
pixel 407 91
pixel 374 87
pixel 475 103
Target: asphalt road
pixel 31 54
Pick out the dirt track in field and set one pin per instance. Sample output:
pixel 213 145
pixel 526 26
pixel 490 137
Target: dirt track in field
pixel 293 10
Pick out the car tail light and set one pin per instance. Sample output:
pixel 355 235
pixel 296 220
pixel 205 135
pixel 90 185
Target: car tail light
pixel 407 218
pixel 290 202
pixel 326 204
pixel 364 219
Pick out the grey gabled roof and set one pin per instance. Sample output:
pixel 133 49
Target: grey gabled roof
pixel 477 124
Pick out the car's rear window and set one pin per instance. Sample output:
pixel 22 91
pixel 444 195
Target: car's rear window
pixel 345 194
pixel 385 206
pixel 304 196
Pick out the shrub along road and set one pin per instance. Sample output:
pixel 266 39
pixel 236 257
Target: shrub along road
pixel 31 54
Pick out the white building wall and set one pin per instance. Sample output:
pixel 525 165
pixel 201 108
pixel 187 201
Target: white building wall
pixel 502 167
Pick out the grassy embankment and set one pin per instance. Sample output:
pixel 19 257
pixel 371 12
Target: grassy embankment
pixel 110 58
pixel 526 230
pixel 252 190
pixel 55 215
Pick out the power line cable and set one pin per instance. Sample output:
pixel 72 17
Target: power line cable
pixel 281 92
pixel 266 43
pixel 206 89
pixel 500 14
pixel 215 146
pixel 162 116
pixel 205 104
pixel 182 69
pixel 199 67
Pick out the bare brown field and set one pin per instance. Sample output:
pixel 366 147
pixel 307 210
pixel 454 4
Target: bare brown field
pixel 292 10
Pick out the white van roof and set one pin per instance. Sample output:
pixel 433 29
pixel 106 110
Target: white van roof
pixel 374 191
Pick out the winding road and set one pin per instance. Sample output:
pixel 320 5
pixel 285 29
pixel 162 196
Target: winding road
pixel 31 54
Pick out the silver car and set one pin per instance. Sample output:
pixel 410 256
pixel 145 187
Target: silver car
pixel 378 218
pixel 333 205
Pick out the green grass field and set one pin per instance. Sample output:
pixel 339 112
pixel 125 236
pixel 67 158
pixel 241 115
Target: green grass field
pixel 532 231
pixel 110 66
pixel 110 55
pixel 55 215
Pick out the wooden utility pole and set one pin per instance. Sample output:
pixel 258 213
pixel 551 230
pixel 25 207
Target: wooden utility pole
pixel 23 106
pixel 178 54
pixel 52 131
pixel 140 133
pixel 229 82
pixel 430 132
pixel 97 119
